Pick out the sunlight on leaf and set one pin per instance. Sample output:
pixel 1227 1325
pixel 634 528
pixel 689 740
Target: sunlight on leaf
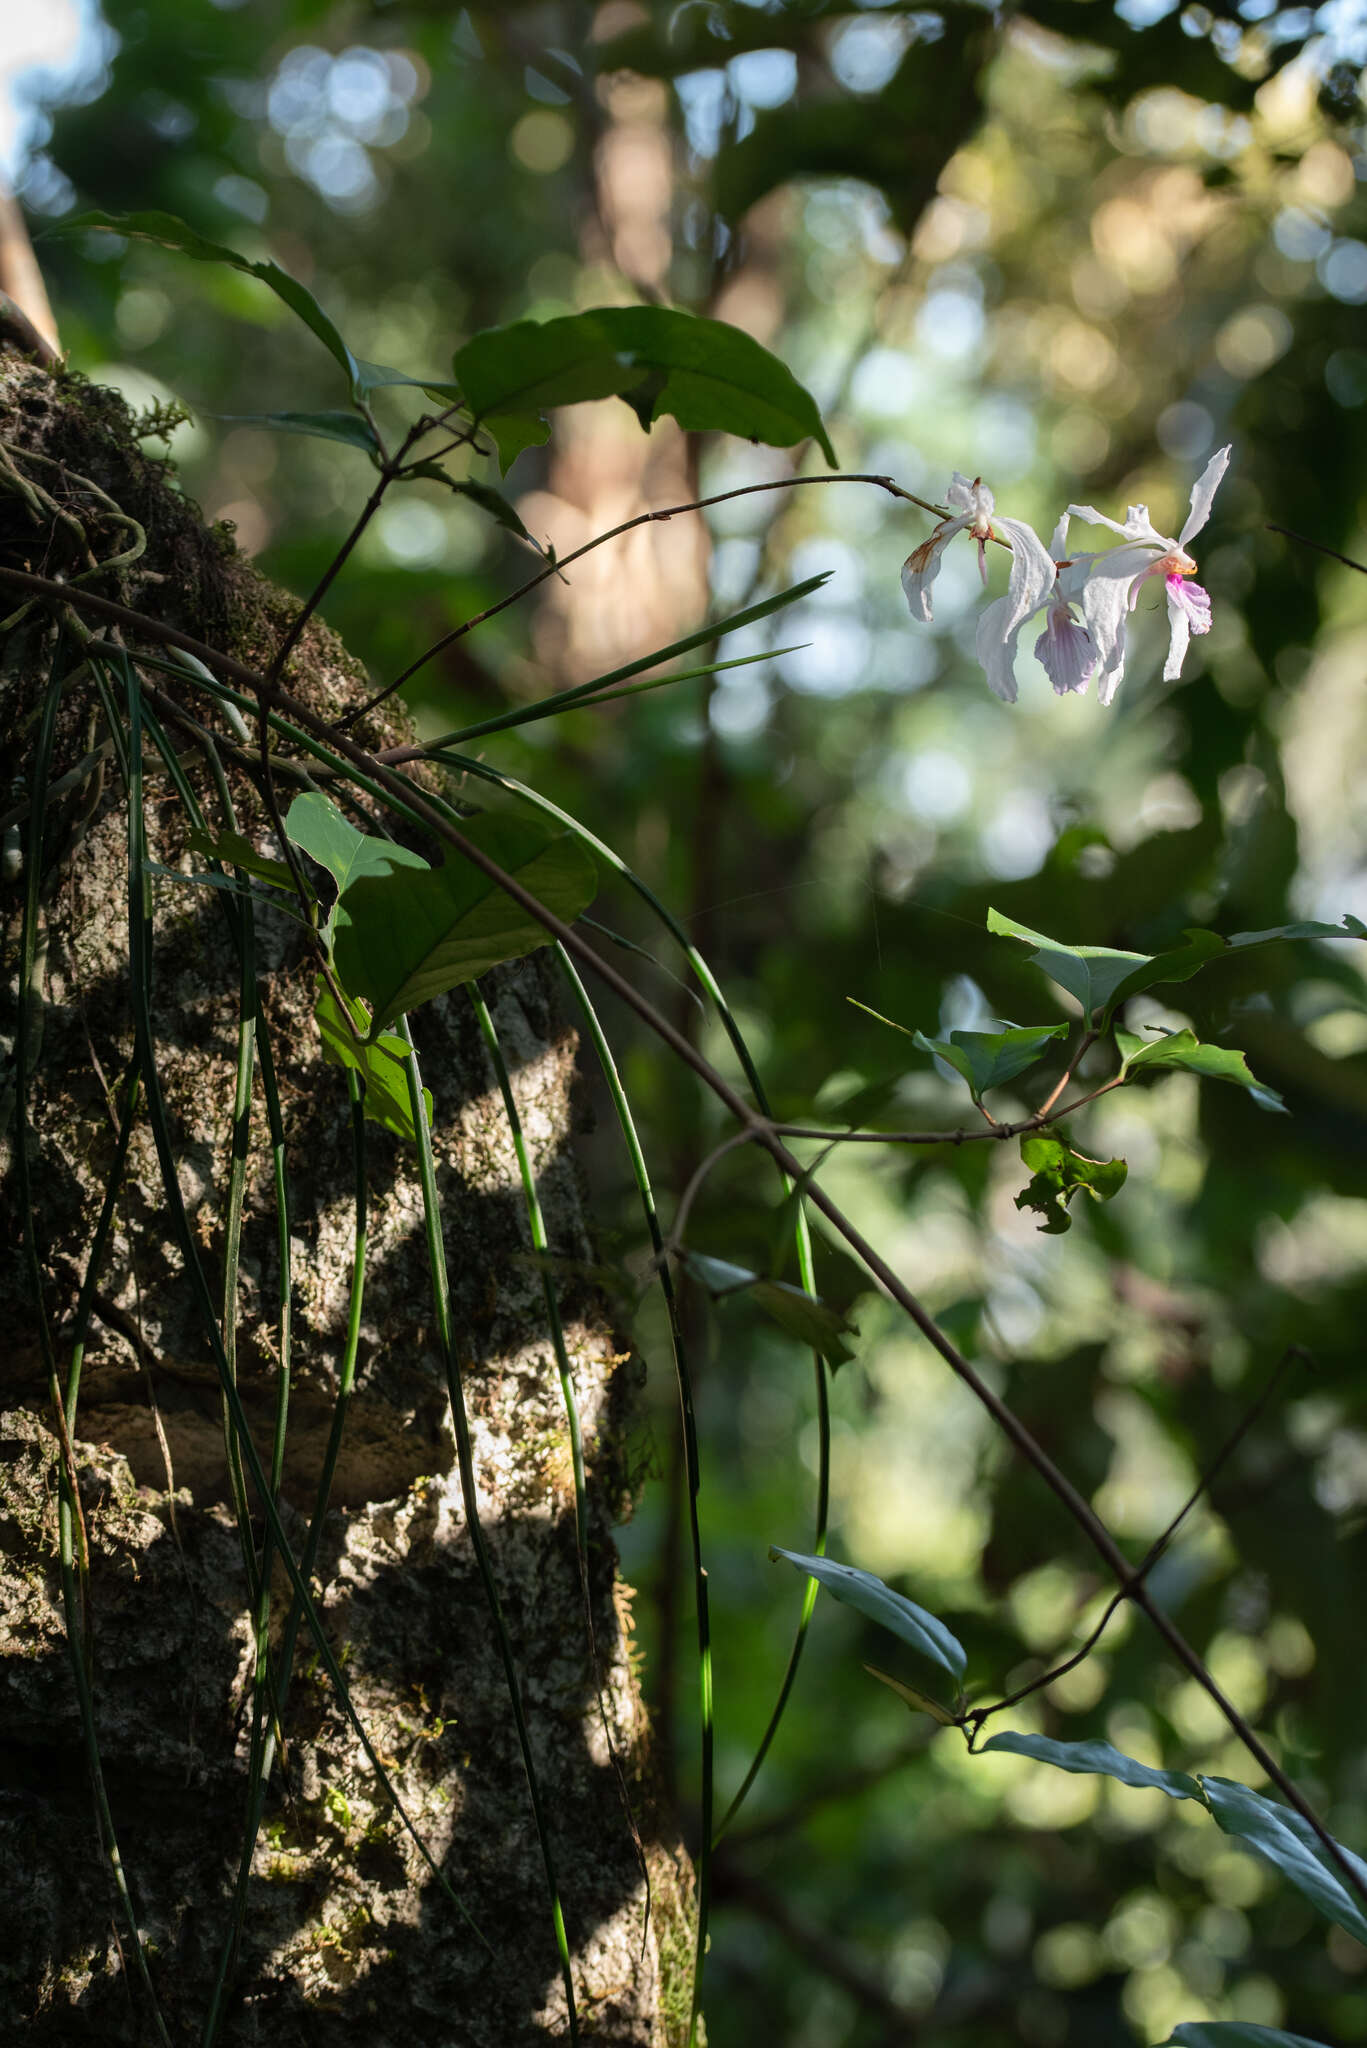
pixel 871 1597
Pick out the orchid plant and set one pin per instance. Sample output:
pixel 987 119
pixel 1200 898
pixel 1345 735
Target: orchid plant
pixel 1087 598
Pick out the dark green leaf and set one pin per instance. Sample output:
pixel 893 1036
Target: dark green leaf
pixel 813 1323
pixel 169 233
pixel 403 937
pixel 1184 1049
pixel 236 852
pixel 1234 2034
pixel 919 1702
pixel 347 427
pixel 1096 1759
pixel 1059 1172
pixel 378 376
pixel 380 1065
pixel 861 1590
pixel 988 1059
pixel 1351 928
pixel 1099 976
pixel 709 376
pixel 1279 1834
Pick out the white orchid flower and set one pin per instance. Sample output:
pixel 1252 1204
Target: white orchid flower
pixel 1107 586
pixel 1065 649
pixel 973 510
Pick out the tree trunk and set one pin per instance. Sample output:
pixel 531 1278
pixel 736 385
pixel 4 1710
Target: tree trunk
pixel 348 1936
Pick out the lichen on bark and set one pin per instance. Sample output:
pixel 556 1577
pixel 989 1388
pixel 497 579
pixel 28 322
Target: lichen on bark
pixel 346 1938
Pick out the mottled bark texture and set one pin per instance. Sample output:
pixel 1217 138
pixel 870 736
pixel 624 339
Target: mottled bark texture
pixel 347 1938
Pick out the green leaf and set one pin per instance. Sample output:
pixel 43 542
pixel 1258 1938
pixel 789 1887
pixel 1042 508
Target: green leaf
pixel 347 427
pixel 814 1323
pixel 380 1065
pixel 1278 1833
pixel 169 233
pixel 708 375
pixel 919 1702
pixel 314 823
pixel 1184 1049
pixel 1099 976
pixel 1351 928
pixel 988 1059
pixel 378 376
pixel 236 852
pixel 1059 1172
pixel 1234 2034
pixel 494 503
pixel 403 937
pixel 861 1590
pixel 1096 1759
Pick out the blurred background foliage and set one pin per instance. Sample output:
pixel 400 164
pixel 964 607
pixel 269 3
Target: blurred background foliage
pixel 1074 248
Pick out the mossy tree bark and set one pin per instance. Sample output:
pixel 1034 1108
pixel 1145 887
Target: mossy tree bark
pixel 347 1937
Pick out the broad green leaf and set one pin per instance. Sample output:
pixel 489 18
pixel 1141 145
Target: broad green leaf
pixel 1100 976
pixel 236 852
pixel 1096 1759
pixel 908 1622
pixel 169 233
pixel 1278 1833
pixel 1234 2034
pixel 1058 1173
pixel 919 1702
pixel 709 376
pixel 405 936
pixel 988 1059
pixel 347 427
pixel 380 1065
pixel 814 1323
pixel 1184 1049
pixel 1351 928
pixel 314 822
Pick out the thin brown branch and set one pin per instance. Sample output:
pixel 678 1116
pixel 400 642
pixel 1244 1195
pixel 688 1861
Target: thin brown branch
pixel 554 566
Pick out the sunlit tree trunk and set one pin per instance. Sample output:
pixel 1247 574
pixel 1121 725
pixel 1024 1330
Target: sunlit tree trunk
pixel 347 1936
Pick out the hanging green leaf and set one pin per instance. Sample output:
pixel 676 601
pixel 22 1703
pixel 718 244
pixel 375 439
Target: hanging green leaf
pixel 1095 1759
pixel 861 1590
pixel 169 233
pixel 378 376
pixel 919 1702
pixel 409 934
pixel 1184 1049
pixel 1234 2034
pixel 347 427
pixel 814 1323
pixel 708 375
pixel 1100 977
pixel 1278 1833
pixel 380 1064
pixel 484 495
pixel 1058 1173
pixel 988 1059
pixel 314 823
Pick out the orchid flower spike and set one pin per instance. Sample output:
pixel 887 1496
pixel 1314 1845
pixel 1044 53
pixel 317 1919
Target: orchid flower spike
pixel 973 510
pixel 1107 586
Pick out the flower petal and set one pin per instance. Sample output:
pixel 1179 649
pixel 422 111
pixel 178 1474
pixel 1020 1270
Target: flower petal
pixel 922 566
pixel 1030 583
pixel 1188 613
pixel 1065 652
pixel 1202 492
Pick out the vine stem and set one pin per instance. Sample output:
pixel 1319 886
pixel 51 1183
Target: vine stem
pixel 554 567
pixel 1015 1431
